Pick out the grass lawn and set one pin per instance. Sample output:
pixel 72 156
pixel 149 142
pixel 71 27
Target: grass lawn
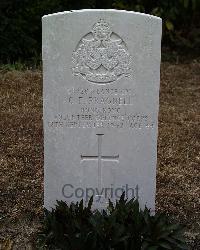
pixel 21 152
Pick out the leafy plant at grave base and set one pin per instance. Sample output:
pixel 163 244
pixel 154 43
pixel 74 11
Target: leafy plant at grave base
pixel 123 226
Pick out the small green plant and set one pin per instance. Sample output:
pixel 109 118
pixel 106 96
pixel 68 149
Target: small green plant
pixel 123 226
pixel 15 66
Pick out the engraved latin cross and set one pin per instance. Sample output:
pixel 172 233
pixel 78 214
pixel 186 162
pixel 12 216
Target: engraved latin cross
pixel 99 157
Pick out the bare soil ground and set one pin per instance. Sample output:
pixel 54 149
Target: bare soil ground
pixel 21 153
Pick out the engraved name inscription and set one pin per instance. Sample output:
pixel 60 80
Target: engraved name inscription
pixel 102 107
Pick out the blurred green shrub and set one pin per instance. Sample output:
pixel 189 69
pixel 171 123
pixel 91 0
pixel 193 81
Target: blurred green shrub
pixel 181 26
pixel 20 22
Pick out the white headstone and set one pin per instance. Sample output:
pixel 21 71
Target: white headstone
pixel 101 100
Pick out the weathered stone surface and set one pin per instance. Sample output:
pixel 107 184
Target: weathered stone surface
pixel 101 100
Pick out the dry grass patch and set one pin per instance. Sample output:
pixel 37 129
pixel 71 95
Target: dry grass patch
pixel 21 151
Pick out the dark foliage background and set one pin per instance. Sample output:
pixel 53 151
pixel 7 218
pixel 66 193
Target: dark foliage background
pixel 20 23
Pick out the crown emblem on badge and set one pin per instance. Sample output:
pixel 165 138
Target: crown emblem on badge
pixel 101 56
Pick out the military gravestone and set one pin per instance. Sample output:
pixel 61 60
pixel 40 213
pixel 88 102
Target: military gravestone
pixel 101 100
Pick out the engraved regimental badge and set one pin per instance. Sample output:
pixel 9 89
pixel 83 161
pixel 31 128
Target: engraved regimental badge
pixel 101 56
